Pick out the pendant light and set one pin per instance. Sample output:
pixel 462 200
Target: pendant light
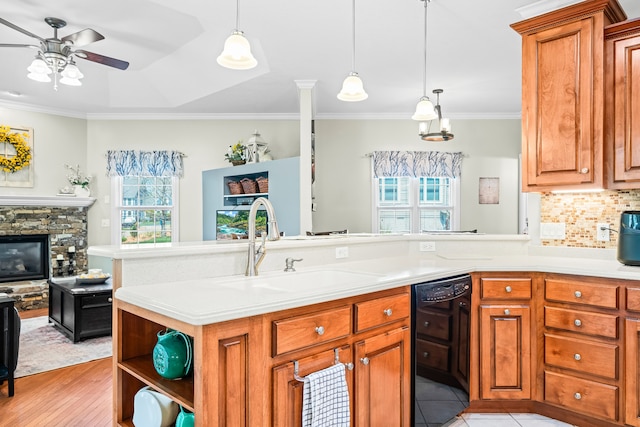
pixel 237 51
pixel 352 87
pixel 424 109
pixel 444 125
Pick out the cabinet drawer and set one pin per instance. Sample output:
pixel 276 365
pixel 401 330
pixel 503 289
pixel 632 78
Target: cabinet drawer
pixel 584 396
pixel 505 288
pixel 436 325
pixel 590 357
pixel 377 312
pixel 597 295
pixel 633 299
pixel 432 355
pixel 96 300
pixel 302 331
pixel 604 325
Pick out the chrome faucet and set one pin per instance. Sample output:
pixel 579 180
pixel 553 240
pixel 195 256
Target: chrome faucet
pixel 255 257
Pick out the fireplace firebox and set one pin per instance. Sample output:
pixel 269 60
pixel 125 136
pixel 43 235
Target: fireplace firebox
pixel 24 257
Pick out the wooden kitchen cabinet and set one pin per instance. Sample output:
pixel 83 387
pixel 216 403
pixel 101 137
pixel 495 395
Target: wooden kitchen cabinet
pixel 563 96
pixel 632 372
pixel 622 86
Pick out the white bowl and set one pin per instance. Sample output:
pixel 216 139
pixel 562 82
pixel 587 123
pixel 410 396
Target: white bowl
pixel 153 409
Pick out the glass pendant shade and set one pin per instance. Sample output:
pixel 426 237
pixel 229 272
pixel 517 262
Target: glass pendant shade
pixel 237 53
pixel 424 110
pixel 39 71
pixel 352 89
pixel 71 75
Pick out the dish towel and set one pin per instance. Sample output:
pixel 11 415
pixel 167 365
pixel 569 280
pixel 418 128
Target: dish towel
pixel 325 398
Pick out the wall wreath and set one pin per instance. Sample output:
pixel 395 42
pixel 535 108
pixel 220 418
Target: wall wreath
pixel 23 152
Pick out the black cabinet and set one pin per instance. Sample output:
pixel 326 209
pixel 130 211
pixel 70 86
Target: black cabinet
pixel 9 336
pixel 81 311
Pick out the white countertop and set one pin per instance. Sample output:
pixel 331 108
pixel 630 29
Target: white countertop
pixel 212 300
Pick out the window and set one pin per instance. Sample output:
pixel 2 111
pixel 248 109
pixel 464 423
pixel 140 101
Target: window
pixel 415 205
pixel 145 209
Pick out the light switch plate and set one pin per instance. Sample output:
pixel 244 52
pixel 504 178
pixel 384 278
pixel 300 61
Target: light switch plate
pixel 342 252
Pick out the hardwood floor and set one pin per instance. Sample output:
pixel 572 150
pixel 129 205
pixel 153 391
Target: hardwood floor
pixel 77 396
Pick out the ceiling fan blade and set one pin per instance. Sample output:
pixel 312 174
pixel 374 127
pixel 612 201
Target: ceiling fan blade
pixel 19 45
pixel 22 30
pixel 83 37
pixel 101 59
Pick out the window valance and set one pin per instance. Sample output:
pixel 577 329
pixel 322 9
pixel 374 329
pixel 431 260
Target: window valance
pixel 416 163
pixel 144 163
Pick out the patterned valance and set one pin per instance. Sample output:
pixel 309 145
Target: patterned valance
pixel 144 163
pixel 416 163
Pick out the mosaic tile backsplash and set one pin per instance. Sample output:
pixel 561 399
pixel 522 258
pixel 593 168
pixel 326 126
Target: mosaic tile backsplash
pixel 581 212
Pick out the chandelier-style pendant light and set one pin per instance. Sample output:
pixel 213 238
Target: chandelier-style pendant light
pixel 444 125
pixel 237 51
pixel 352 87
pixel 424 109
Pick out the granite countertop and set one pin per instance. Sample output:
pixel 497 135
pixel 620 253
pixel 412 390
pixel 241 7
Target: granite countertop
pixel 212 300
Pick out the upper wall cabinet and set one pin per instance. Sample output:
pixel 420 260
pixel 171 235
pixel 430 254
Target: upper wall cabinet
pixel 563 96
pixel 622 104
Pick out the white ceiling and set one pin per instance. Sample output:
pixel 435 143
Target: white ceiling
pixel 473 55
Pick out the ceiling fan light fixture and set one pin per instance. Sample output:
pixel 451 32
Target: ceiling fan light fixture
pixel 352 89
pixel 237 53
pixel 39 66
pixel 71 71
pixel 424 110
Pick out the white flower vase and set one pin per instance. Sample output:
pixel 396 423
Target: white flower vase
pixel 81 191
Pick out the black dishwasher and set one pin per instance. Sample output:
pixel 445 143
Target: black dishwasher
pixel 440 331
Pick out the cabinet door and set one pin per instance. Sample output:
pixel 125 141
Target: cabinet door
pixel 383 380
pixel 625 107
pixel 562 107
pixel 632 372
pixel 505 352
pixel 287 391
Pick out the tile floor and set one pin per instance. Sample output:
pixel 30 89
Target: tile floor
pixel 438 405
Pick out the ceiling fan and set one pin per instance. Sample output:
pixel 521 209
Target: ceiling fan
pixel 56 55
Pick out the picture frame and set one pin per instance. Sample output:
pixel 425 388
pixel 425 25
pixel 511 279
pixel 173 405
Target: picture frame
pixel 23 177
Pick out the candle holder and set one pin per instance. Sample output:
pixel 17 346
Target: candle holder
pixel 72 262
pixel 60 262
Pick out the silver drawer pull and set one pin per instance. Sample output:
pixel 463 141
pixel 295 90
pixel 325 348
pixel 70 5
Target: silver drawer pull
pixel 577 396
pixel 110 299
pixel 320 330
pixel 577 322
pixel 388 312
pixel 426 324
pixel 507 312
pixel 508 289
pixel 349 366
pixel 577 356
pixel 365 360
pixel 425 354
pixel 578 294
pixel 584 170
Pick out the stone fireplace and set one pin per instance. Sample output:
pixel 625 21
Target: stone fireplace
pixel 62 223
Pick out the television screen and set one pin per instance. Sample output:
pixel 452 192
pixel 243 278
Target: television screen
pixel 233 224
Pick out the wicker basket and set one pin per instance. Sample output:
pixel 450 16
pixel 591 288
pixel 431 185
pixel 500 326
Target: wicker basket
pixel 249 186
pixel 235 187
pixel 263 184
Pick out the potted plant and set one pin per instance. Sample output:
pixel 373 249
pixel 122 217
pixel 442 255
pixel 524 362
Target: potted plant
pixel 79 181
pixel 236 154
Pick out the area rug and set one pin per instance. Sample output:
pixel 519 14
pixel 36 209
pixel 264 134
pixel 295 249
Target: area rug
pixel 44 348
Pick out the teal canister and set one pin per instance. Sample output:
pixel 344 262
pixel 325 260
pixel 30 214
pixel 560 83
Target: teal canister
pixel 173 354
pixel 629 238
pixel 185 418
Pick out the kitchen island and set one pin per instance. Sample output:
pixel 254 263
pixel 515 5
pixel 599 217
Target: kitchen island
pixel 238 319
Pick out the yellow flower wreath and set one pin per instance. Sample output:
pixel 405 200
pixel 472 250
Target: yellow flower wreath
pixel 23 153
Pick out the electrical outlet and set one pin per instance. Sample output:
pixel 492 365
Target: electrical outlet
pixel 342 252
pixel 105 222
pixel 427 246
pixel 602 232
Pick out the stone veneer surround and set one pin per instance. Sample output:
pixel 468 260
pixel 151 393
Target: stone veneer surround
pixel 64 219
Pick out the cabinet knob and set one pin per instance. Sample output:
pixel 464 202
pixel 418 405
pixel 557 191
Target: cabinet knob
pixel 425 354
pixel 462 304
pixel 577 322
pixel 508 289
pixel 577 356
pixel 507 312
pixel 577 396
pixel 320 330
pixel 388 312
pixel 578 294
pixel 584 170
pixel 110 299
pixel 426 324
pixel 365 360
